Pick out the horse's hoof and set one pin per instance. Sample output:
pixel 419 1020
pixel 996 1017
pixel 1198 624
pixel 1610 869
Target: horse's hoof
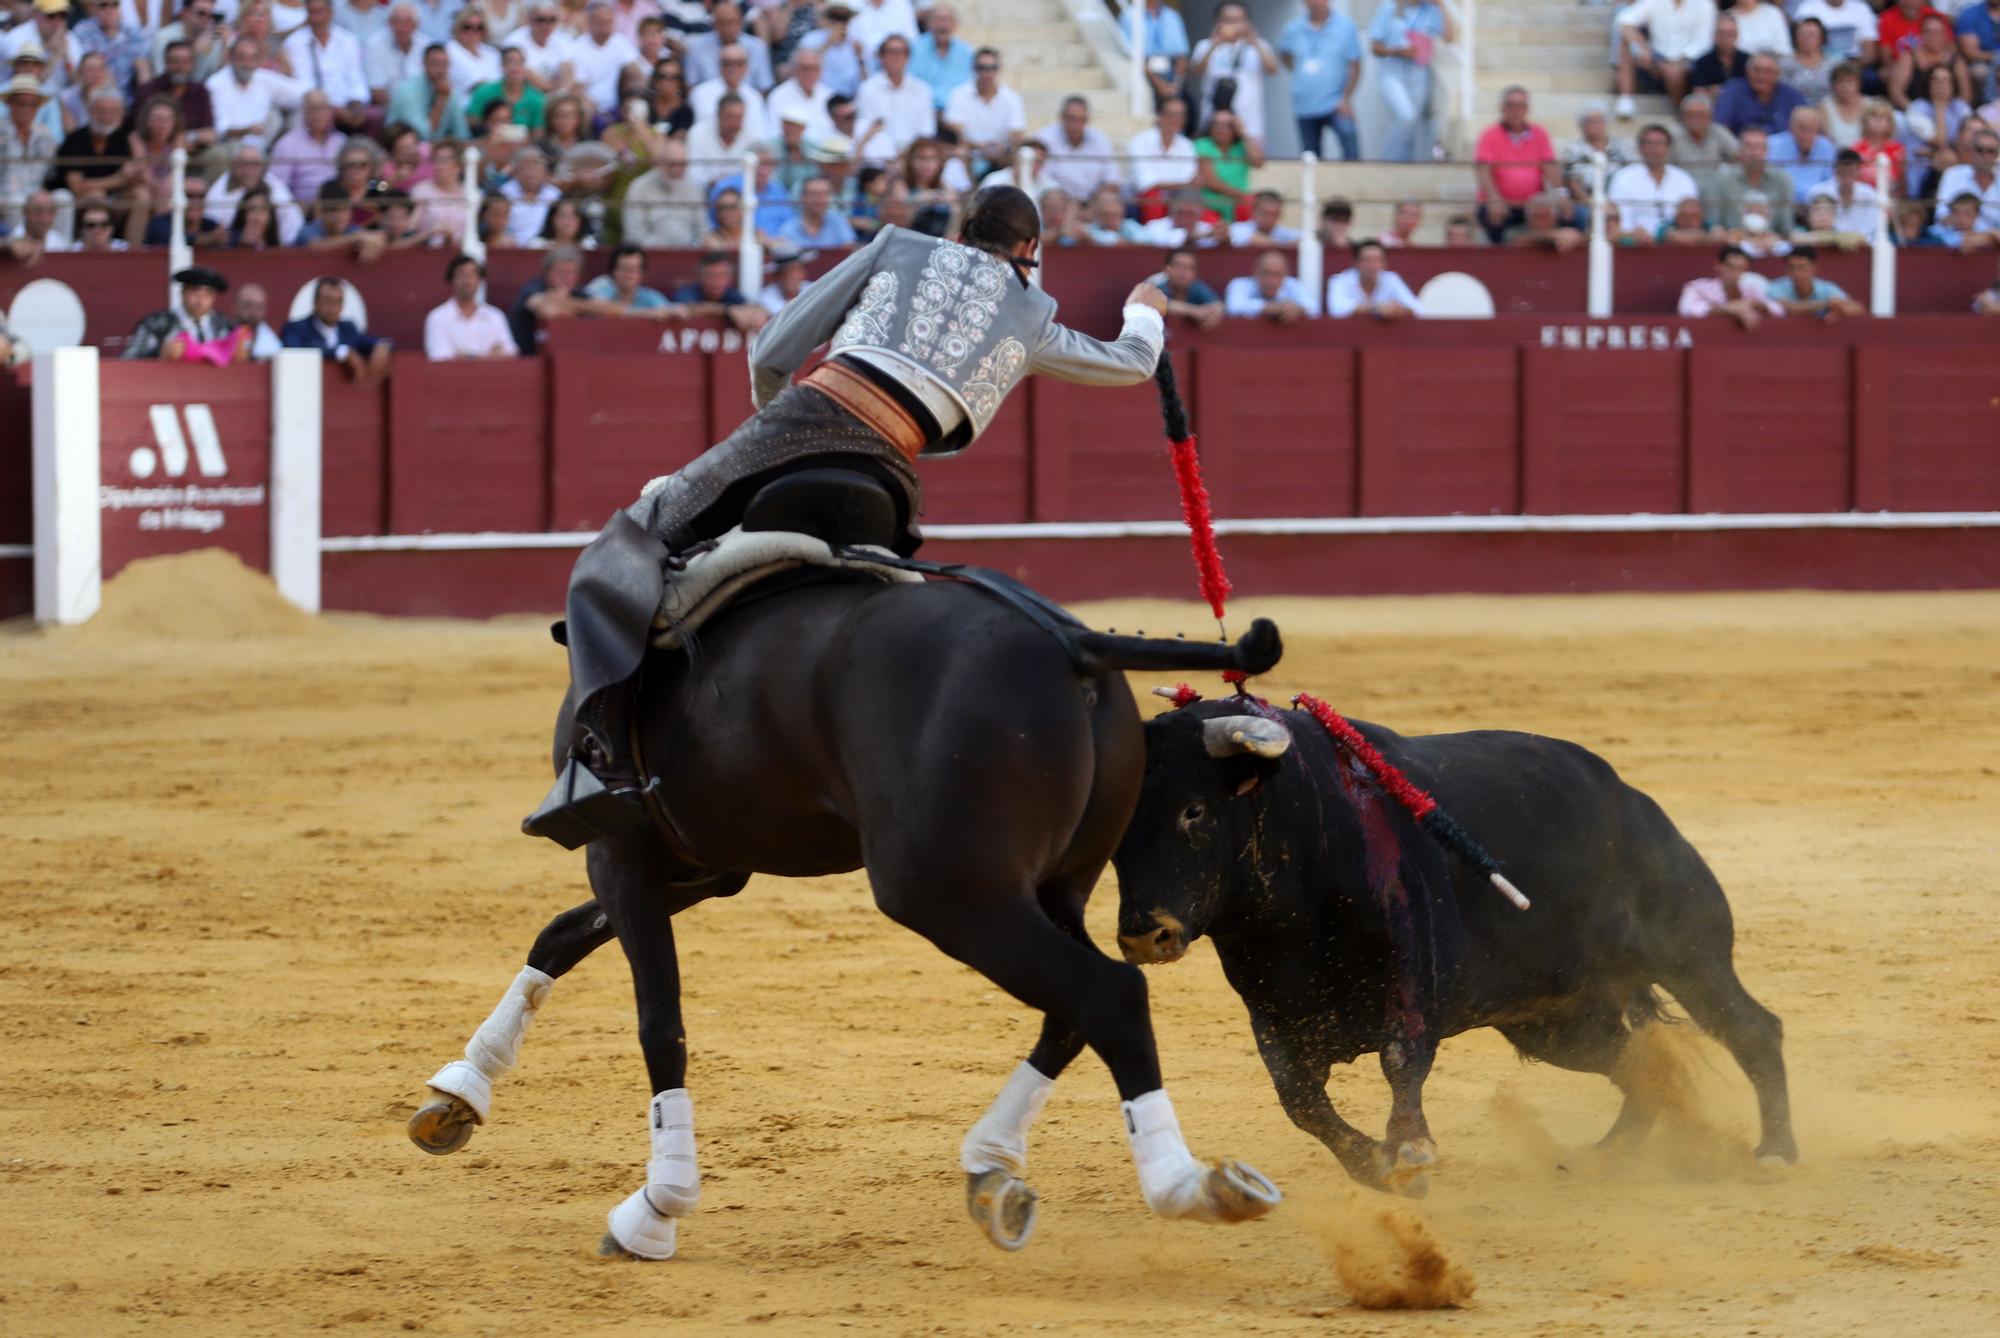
pixel 442 1126
pixel 1240 1193
pixel 1410 1176
pixel 609 1248
pixel 1003 1206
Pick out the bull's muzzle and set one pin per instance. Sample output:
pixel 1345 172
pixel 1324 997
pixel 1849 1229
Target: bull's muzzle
pixel 1165 942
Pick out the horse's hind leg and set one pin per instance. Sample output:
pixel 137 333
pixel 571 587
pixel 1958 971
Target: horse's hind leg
pixel 1004 936
pixel 461 1093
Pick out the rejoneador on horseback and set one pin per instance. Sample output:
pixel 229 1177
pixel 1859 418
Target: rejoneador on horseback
pixel 970 745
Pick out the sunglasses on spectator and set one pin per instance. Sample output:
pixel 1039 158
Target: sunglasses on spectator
pixel 472 27
pixel 97 223
pixel 543 18
pixel 984 69
pixel 737 60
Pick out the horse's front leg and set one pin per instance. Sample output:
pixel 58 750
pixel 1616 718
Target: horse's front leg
pixel 623 871
pixel 461 1093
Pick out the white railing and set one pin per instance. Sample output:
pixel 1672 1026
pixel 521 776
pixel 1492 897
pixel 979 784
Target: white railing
pixel 1597 301
pixel 749 249
pixel 1882 258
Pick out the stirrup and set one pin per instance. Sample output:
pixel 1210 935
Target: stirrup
pixel 579 808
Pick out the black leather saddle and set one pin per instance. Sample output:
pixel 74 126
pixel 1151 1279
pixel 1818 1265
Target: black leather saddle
pixel 838 506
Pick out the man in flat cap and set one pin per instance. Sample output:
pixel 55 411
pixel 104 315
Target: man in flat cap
pixel 193 331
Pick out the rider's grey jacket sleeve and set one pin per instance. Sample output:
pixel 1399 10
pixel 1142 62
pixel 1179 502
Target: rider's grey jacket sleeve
pixel 957 322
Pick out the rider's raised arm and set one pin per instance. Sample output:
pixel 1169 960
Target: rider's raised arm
pixel 808 321
pixel 1069 355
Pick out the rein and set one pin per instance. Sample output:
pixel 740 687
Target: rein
pixel 1215 589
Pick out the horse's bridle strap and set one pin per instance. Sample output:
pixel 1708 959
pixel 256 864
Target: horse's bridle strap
pixel 870 403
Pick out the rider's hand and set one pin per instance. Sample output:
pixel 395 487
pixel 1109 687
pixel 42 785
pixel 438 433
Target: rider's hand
pixel 1148 295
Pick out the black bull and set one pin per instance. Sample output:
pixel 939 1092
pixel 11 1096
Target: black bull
pixel 978 767
pixel 1347 931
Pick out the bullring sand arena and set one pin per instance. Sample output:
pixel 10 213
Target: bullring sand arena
pixel 262 877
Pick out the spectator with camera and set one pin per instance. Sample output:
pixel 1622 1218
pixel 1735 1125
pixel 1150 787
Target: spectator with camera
pixel 1230 64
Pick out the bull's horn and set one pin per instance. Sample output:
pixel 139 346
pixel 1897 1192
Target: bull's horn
pixel 1229 734
pixel 1171 694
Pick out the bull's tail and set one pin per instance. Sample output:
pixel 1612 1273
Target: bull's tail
pixel 1646 1006
pixel 1255 652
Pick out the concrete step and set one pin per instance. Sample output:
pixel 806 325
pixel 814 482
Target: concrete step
pixel 1061 80
pixel 1009 34
pixel 978 15
pixel 1595 80
pixel 1530 67
pixel 1533 36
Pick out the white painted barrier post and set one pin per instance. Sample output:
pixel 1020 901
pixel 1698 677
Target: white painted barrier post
pixel 1024 160
pixel 69 541
pixel 470 244
pixel 296 379
pixel 1598 302
pixel 750 251
pixel 1135 38
pixel 1312 255
pixel 179 253
pixel 1882 258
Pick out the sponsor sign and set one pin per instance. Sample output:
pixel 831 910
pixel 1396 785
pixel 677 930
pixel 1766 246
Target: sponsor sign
pixel 1619 335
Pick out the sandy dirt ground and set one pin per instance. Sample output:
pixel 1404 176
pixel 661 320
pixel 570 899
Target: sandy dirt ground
pixel 261 877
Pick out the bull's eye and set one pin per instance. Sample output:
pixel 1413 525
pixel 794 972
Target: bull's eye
pixel 1192 813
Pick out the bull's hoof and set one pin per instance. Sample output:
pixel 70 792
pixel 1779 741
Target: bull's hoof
pixel 1239 1193
pixel 442 1125
pixel 1778 1155
pixel 1410 1174
pixel 1003 1206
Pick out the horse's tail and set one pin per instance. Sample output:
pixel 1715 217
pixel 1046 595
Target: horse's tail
pixel 1255 652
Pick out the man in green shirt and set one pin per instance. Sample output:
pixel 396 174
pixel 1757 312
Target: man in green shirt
pixel 512 88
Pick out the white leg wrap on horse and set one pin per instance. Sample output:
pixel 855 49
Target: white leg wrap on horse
pixel 496 1046
pixel 1173 1182
pixel 644 1223
pixel 999 1141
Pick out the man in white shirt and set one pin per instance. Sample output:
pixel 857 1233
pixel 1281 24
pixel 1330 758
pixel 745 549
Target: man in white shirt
pixel 247 171
pixel 1371 288
pixel 1661 39
pixel 1182 224
pixel 363 18
pixel 1080 156
pixel 531 191
pixel 985 114
pixel 1976 177
pixel 715 146
pixel 1262 228
pixel 894 108
pixel 1269 292
pixel 875 21
pixel 465 327
pixel 1647 192
pixel 246 98
pixel 1162 156
pixel 1852 30
pixel 394 54
pixel 664 207
pixel 735 78
pixel 802 97
pixel 330 59
pixel 704 51
pixel 1856 206
pixel 204 32
pixel 541 39
pixel 600 55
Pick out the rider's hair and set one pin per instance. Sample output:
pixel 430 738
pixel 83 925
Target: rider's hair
pixel 999 219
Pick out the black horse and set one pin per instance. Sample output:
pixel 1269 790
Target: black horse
pixel 979 764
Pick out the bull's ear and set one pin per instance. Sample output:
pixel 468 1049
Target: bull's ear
pixel 1227 735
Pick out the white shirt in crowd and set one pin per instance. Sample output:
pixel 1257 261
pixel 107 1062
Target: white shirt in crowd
pixel 985 120
pixel 1675 29
pixel 1959 180
pixel 1078 168
pixel 1848 24
pixel 1152 165
pixel 525 218
pixel 789 97
pixel 1241 298
pixel 904 114
pixel 239 105
pixel 223 198
pixel 1242 62
pixel 449 333
pixel 338 68
pixel 709 159
pixel 386 65
pixel 874 20
pixel 545 59
pixel 1862 214
pixel 756 120
pixel 1163 231
pixel 469 68
pixel 1765 32
pixel 1643 202
pixel 1241 233
pixel 1344 296
pixel 597 66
